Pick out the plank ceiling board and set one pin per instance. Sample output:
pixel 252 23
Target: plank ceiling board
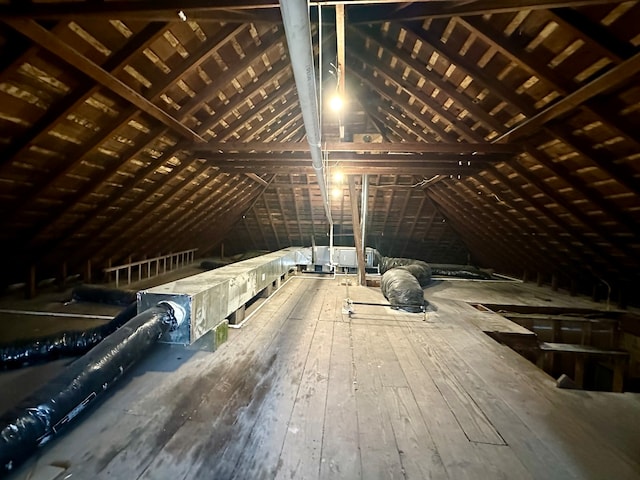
pixel 509 129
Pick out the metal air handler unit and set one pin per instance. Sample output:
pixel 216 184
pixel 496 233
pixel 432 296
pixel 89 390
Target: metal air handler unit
pixel 211 298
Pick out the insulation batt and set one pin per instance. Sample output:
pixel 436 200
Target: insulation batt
pixel 63 344
pixel 42 415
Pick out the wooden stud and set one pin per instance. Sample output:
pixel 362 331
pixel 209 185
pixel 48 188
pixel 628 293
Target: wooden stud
pixel 357 231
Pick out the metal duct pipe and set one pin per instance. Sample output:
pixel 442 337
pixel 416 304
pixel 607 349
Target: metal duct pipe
pixel 363 220
pixel 297 28
pixel 41 416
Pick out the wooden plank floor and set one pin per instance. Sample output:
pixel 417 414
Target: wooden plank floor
pixel 305 391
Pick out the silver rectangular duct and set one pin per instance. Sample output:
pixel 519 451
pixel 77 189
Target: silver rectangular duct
pixel 209 298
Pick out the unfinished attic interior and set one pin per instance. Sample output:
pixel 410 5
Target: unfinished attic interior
pixel 211 272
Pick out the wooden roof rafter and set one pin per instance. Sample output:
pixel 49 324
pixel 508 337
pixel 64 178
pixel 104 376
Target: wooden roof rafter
pixel 219 225
pixel 405 113
pixel 271 221
pixel 414 223
pixel 571 97
pixel 426 72
pixel 47 40
pixel 520 230
pixel 389 75
pixel 268 42
pixel 427 104
pixel 469 68
pixel 213 204
pixel 590 193
pixel 480 243
pixel 190 201
pixel 621 172
pixel 262 105
pixel 203 9
pixel 549 229
pixel 119 61
pixel 425 9
pixel 109 202
pixel 497 231
pixel 100 247
pixel 578 238
pixel 575 210
pixel 80 94
pixel 296 210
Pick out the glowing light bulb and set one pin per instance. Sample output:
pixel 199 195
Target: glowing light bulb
pixel 338 177
pixel 336 193
pixel 335 103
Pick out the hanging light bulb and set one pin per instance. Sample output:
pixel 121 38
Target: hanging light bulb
pixel 336 103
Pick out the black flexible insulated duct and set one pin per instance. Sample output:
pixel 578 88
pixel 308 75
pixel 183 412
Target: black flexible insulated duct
pixel 98 294
pixel 42 415
pixel 402 282
pixel 63 344
pixel 460 271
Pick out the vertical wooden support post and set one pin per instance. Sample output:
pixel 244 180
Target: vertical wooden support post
pixel 540 279
pixel 357 233
pixel 222 250
pixel 618 374
pixel 554 282
pixel 525 276
pixel 30 291
pixel 109 274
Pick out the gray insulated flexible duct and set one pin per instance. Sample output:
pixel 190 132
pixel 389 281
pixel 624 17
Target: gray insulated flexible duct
pixel 44 414
pixel 402 282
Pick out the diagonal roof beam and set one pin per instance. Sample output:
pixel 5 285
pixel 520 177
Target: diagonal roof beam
pixel 267 43
pixel 531 63
pixel 55 45
pixel 202 9
pixel 593 33
pixel 432 105
pixel 206 49
pixel 78 96
pixel 619 171
pixel 478 74
pixel 425 71
pixel 445 9
pixel 613 77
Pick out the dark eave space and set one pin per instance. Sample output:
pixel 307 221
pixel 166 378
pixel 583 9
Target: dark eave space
pixel 498 132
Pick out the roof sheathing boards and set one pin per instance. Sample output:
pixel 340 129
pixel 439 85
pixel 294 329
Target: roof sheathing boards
pixel 88 175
